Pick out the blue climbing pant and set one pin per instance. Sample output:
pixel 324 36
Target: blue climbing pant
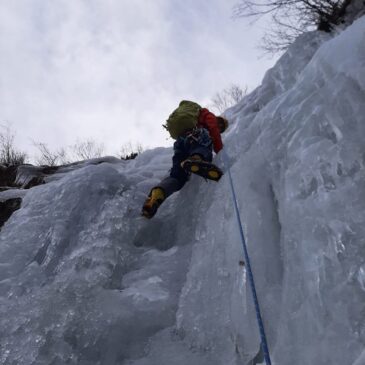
pixel 196 142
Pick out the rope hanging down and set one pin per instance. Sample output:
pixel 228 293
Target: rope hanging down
pixel 264 345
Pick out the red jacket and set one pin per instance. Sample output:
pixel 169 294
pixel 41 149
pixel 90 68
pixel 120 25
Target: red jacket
pixel 209 121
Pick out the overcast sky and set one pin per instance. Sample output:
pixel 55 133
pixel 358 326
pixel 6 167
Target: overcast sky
pixel 113 70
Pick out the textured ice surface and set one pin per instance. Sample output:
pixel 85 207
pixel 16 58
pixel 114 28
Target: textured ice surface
pixel 85 280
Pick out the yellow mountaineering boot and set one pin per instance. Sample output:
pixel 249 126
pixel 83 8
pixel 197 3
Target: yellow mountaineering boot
pixel 205 169
pixel 154 200
pixel 186 163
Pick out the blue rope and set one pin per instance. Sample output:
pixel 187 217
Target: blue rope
pixel 264 345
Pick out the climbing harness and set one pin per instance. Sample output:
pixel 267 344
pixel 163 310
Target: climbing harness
pixel 264 345
pixel 198 135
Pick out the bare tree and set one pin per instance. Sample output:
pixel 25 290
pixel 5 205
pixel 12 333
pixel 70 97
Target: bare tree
pixel 81 150
pixel 291 18
pixel 51 158
pixel 282 34
pixel 8 153
pixel 63 156
pixel 228 97
pixel 85 150
pixel 129 151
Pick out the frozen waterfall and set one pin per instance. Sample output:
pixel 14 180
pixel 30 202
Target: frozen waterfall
pixel 85 280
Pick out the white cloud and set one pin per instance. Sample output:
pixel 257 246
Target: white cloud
pixel 113 70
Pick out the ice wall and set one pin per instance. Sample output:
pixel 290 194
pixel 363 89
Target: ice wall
pixel 85 280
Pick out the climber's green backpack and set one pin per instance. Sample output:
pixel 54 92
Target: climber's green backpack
pixel 183 118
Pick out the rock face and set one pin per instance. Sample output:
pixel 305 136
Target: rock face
pixel 7 176
pixel 19 177
pixel 14 179
pixel 24 176
pixel 7 208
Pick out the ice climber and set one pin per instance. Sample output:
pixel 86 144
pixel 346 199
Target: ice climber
pixel 197 132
